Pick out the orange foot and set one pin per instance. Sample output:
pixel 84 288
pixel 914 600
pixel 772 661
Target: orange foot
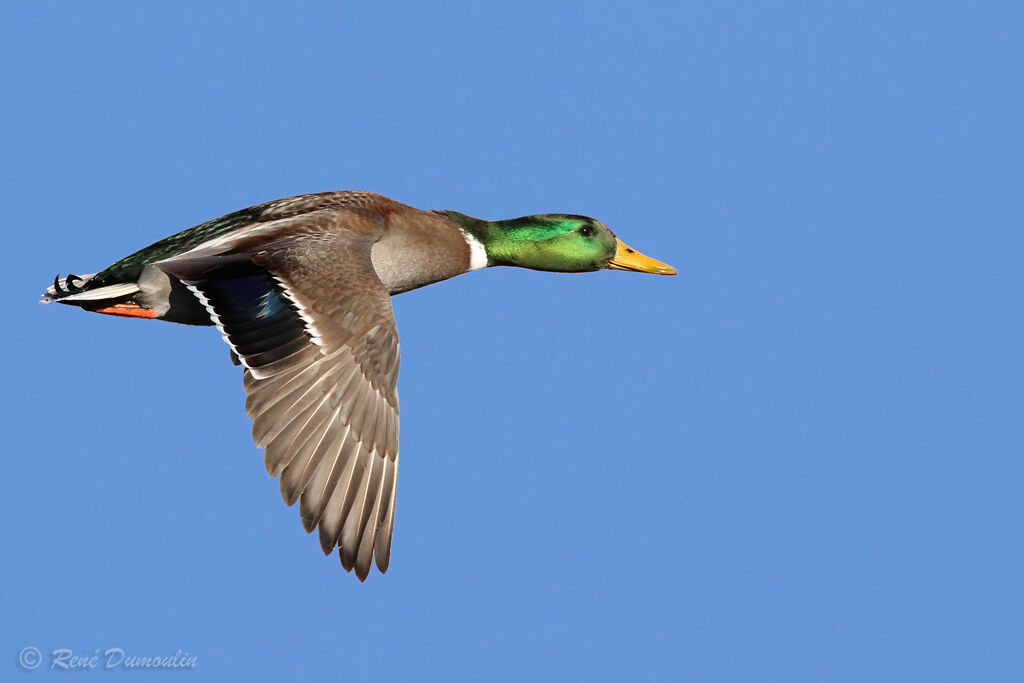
pixel 128 310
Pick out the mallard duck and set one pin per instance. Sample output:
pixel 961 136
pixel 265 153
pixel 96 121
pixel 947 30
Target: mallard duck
pixel 300 289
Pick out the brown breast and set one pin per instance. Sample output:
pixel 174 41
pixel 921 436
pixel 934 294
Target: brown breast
pixel 418 248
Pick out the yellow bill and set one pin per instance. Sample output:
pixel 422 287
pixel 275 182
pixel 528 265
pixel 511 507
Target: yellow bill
pixel 627 258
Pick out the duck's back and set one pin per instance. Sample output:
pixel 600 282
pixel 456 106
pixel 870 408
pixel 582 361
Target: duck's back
pixel 130 267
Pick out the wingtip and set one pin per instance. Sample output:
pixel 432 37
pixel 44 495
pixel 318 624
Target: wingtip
pixel 347 562
pixel 308 518
pixel 326 543
pixel 290 493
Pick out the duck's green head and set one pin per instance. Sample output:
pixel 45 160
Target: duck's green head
pixel 560 242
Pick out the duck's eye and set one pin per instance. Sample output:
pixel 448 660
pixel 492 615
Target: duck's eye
pixel 586 231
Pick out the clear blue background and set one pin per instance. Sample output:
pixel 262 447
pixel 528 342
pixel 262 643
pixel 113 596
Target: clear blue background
pixel 800 460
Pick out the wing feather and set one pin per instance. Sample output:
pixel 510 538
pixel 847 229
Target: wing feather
pixel 312 324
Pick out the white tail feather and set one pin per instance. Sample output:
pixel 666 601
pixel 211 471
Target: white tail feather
pixel 72 282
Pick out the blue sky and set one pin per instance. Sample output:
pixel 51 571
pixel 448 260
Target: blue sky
pixel 799 460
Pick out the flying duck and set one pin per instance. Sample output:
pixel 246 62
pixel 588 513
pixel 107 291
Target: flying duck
pixel 300 289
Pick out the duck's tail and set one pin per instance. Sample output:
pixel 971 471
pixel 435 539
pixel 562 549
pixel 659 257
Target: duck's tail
pixel 115 299
pixel 64 287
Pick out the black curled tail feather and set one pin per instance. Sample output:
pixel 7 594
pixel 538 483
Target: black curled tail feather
pixel 66 286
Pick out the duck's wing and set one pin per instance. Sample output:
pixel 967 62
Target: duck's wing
pixel 312 323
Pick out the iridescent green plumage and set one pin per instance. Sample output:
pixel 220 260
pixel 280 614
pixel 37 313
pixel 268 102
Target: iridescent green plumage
pixel 130 266
pixel 560 242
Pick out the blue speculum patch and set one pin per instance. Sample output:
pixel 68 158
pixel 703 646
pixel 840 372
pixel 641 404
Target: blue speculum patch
pixel 253 296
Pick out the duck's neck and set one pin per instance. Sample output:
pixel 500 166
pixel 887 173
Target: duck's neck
pixel 501 243
pixel 477 233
